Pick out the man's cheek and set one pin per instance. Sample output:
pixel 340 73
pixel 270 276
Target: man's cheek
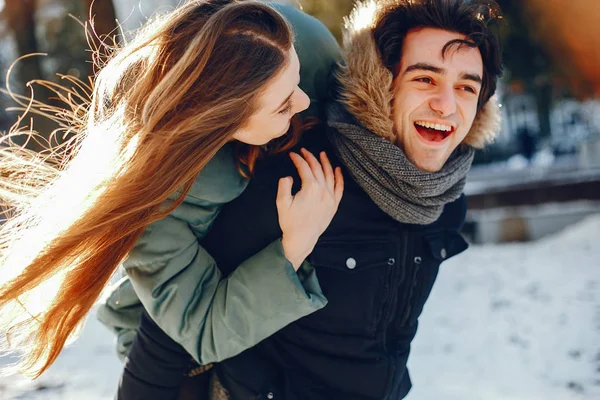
pixel 469 123
pixel 470 112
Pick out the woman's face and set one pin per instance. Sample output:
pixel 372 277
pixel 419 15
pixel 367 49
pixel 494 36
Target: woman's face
pixel 279 102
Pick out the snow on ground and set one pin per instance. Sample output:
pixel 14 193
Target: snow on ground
pixel 87 370
pixel 514 322
pixel 504 322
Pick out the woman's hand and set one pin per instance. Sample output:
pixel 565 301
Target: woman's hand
pixel 305 216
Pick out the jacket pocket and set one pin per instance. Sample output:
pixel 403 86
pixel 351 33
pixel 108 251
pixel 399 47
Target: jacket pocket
pixel 445 245
pixel 352 276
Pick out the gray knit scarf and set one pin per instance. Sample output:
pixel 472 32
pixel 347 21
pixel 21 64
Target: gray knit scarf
pixel 400 189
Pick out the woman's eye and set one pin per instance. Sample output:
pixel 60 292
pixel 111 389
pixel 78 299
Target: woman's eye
pixel 469 89
pixel 287 109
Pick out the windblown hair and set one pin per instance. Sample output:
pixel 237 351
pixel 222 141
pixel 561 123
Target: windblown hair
pixel 159 110
pixel 473 18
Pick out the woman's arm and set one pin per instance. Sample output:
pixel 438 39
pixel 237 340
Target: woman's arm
pixel 182 289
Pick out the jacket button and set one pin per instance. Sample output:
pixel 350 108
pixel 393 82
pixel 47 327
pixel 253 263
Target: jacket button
pixel 417 260
pixel 351 263
pixel 391 261
pixel 443 253
pixel 270 396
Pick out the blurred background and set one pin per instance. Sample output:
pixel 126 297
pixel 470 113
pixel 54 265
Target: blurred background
pixel 515 317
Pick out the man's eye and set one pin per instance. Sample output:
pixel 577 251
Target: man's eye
pixel 424 80
pixel 469 89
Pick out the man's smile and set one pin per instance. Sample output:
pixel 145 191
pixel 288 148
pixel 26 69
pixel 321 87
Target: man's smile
pixel 434 133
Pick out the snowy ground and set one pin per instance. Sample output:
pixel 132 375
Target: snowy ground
pixel 504 322
pixel 514 322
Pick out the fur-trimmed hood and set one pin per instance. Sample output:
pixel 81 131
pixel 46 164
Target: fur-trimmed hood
pixel 366 84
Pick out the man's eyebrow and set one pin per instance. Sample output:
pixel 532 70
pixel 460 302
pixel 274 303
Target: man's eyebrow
pixel 472 77
pixel 424 67
pixel 441 71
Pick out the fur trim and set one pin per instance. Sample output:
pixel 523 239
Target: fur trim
pixel 366 85
pixel 486 125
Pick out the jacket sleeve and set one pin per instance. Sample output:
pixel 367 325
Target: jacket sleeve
pixel 213 318
pixel 120 312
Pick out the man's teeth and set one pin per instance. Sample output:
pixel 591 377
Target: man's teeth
pixel 437 127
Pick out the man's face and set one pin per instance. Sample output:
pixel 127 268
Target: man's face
pixel 435 97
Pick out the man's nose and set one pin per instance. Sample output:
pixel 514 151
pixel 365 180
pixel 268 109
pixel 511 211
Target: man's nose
pixel 444 102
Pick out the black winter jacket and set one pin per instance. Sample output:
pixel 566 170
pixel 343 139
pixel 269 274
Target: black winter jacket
pixel 375 272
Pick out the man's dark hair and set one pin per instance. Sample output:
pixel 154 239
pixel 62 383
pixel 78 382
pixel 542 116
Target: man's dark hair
pixel 473 18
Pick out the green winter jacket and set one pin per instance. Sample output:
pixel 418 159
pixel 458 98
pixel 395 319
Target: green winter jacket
pixel 177 281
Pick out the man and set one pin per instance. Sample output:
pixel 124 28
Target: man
pixel 415 99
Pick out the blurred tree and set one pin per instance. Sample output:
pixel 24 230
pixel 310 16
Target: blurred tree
pixel 65 37
pixel 526 61
pixel 20 16
pixel 570 32
pixel 48 26
pixel 104 22
pixel 552 47
pixel 4 120
pixel 330 12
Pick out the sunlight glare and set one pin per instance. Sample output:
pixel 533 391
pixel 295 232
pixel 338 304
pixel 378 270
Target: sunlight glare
pixel 363 16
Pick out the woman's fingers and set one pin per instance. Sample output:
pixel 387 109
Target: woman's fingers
pixel 339 186
pixel 311 171
pixel 327 171
pixel 315 166
pixel 304 170
pixel 284 192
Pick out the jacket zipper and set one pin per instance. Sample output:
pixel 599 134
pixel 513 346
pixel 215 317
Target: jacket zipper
pixel 411 294
pixel 390 326
pixel 392 303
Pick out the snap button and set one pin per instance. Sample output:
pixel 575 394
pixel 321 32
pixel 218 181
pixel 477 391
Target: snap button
pixel 443 253
pixel 351 263
pixel 270 395
pixel 391 261
pixel 417 260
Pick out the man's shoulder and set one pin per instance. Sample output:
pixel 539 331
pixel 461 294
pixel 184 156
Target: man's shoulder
pixel 313 139
pixel 316 138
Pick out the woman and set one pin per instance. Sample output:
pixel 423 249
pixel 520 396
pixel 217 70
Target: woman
pixel 175 124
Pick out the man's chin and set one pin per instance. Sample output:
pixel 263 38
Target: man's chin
pixel 430 168
pixel 427 164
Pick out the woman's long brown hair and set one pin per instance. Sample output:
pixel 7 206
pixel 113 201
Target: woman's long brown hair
pixel 159 110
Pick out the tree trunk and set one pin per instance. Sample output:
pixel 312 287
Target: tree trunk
pixel 20 15
pixel 20 18
pixel 543 97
